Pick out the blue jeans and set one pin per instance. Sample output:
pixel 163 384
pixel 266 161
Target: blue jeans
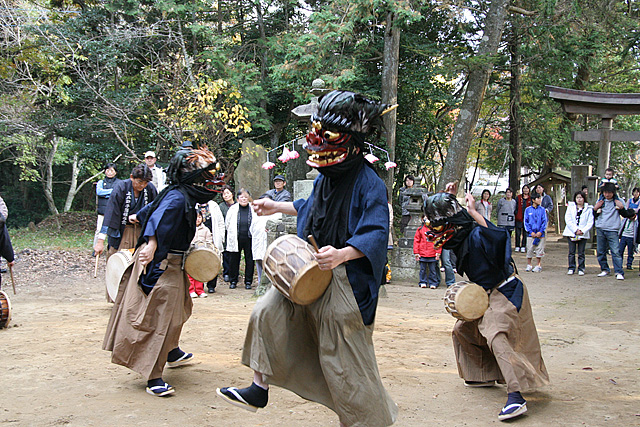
pixel 449 275
pixel 627 243
pixel 429 273
pixel 609 240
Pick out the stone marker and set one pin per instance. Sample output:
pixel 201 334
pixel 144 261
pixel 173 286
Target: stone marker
pixel 249 173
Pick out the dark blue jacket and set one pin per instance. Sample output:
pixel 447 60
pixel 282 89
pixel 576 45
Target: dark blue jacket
pixel 368 232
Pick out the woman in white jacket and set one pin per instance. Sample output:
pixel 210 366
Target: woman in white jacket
pixel 238 223
pixel 579 220
pixel 259 240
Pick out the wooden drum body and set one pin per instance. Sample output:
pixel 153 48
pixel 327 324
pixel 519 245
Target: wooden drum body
pixel 5 310
pixel 203 261
pixel 466 301
pixel 116 266
pixel 291 266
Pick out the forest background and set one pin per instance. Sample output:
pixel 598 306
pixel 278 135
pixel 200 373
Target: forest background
pixel 83 82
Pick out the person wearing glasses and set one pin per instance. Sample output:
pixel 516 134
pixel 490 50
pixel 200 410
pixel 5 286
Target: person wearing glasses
pixel 120 220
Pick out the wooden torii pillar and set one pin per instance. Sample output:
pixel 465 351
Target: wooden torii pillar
pixel 605 105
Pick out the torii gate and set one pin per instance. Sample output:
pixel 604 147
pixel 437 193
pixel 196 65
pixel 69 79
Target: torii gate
pixel 605 105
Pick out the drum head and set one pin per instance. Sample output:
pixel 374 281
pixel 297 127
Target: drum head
pixel 471 301
pixel 203 264
pixel 5 310
pixel 310 284
pixel 116 266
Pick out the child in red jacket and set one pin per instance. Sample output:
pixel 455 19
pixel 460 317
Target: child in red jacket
pixel 428 257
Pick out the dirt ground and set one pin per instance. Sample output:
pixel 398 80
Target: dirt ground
pixel 53 372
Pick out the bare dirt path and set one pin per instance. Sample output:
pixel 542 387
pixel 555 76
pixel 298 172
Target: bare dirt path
pixel 53 372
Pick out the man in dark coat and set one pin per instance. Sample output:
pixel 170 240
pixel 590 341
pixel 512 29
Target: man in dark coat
pixel 120 219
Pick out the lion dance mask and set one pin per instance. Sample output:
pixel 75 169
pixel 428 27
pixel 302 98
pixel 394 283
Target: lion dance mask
pixel 339 127
pixel 448 222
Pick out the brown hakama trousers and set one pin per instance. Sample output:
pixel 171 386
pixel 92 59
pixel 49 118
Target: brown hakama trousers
pixel 144 328
pixel 322 352
pixel 129 239
pixel 502 346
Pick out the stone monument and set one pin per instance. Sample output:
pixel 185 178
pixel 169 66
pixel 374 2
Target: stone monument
pixel 404 266
pixel 249 173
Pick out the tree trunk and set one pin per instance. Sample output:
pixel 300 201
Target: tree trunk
pixel 73 187
pixel 515 144
pixel 391 57
pixel 47 179
pixel 461 139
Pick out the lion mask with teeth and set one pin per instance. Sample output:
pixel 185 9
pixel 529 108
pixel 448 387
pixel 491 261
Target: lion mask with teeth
pixel 449 223
pixel 339 127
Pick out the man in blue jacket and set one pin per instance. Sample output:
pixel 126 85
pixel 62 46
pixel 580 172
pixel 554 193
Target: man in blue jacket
pixel 535 223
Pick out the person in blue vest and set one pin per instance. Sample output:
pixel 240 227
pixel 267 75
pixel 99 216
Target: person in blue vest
pixel 104 187
pixel 323 351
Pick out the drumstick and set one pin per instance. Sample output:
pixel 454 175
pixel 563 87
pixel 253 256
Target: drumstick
pixel 313 242
pixel 13 282
pixel 95 270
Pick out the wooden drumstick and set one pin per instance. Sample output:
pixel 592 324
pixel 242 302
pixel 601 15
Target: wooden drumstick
pixel 313 242
pixel 95 270
pixel 13 282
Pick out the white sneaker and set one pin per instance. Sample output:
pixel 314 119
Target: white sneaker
pixel 202 296
pixel 580 273
pixel 620 276
pixel 537 269
pixel 529 268
pixel 569 272
pixel 603 273
pixel 193 295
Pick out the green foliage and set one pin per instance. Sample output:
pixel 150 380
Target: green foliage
pixel 119 77
pixel 51 239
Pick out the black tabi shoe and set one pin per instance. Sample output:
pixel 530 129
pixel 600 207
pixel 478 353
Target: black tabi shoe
pixel 251 398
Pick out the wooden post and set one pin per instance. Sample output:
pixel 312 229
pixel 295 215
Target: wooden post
pixel 605 144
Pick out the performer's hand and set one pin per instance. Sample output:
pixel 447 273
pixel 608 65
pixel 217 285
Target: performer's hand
pixel 147 253
pixel 471 202
pixel 329 257
pixel 268 207
pixel 99 247
pixel 264 206
pixel 11 264
pixel 452 188
pixel 133 219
